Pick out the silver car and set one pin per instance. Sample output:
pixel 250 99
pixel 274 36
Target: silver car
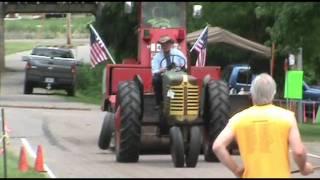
pixel 50 68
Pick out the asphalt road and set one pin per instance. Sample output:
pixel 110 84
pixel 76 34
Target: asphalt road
pixel 68 133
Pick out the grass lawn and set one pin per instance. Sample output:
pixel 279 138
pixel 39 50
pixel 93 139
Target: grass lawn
pixel 84 98
pixel 310 132
pixel 14 47
pixel 48 28
pixel 13 164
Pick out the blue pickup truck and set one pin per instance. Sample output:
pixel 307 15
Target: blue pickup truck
pixel 240 76
pixel 310 92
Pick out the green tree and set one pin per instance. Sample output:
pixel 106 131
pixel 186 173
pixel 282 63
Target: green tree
pixel 288 24
pixel 238 18
pixel 119 30
pixel 296 24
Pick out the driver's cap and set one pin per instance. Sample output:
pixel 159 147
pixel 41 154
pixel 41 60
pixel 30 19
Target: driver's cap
pixel 165 39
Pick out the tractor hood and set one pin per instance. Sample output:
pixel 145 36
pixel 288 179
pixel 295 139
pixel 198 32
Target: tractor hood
pixel 175 78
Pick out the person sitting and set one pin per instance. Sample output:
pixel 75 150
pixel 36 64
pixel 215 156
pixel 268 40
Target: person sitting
pixel 167 58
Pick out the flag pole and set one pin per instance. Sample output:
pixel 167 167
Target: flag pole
pixel 198 38
pixel 103 43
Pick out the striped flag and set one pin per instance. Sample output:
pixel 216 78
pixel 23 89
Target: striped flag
pixel 98 50
pixel 201 46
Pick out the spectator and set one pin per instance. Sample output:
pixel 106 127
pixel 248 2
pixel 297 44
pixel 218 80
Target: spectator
pixel 264 133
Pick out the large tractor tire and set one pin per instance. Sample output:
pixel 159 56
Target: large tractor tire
pixel 194 147
pixel 106 131
pixel 216 116
pixel 128 136
pixel 177 146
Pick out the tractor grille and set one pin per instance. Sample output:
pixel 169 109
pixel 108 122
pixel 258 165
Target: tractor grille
pixel 185 103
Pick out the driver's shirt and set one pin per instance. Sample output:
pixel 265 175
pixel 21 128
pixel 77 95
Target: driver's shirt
pixel 159 60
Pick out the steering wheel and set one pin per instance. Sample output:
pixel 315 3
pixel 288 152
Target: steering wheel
pixel 173 64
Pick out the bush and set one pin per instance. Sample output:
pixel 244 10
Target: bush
pixel 89 81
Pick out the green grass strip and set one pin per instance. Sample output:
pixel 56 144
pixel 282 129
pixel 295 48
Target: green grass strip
pixel 310 132
pixel 14 47
pixel 13 167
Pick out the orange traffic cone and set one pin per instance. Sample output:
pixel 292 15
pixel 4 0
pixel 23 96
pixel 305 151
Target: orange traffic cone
pixel 23 162
pixel 39 164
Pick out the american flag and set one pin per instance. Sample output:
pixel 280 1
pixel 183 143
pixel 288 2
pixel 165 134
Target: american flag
pixel 98 50
pixel 201 46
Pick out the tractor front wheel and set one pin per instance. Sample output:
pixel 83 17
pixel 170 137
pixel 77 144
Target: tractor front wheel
pixel 194 146
pixel 106 131
pixel 177 146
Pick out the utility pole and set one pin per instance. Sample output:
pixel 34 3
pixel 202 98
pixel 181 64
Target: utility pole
pixel 68 29
pixel 272 59
pixel 2 30
pixel 2 42
pixel 300 68
pixel 42 25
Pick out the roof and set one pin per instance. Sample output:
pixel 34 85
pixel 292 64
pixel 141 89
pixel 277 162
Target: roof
pixel 217 35
pixel 60 48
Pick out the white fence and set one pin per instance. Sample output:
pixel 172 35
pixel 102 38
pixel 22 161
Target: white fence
pixel 310 109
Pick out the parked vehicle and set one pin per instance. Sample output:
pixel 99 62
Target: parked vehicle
pixel 50 68
pixel 238 76
pixel 311 93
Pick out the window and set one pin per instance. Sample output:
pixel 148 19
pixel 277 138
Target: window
pixel 163 14
pixel 244 76
pixel 52 53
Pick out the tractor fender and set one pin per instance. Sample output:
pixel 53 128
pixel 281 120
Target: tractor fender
pixel 138 80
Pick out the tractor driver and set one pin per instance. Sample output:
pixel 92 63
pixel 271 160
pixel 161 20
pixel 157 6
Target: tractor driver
pixel 166 59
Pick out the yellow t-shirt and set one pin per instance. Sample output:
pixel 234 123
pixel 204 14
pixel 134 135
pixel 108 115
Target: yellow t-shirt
pixel 262 135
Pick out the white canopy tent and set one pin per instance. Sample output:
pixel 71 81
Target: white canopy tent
pixel 217 35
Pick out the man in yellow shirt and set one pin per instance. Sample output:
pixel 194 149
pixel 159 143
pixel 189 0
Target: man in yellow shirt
pixel 264 133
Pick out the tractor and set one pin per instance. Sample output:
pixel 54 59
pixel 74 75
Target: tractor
pixel 195 107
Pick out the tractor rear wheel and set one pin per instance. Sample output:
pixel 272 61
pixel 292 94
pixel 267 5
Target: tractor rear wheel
pixel 106 131
pixel 177 146
pixel 216 115
pixel 128 136
pixel 194 147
